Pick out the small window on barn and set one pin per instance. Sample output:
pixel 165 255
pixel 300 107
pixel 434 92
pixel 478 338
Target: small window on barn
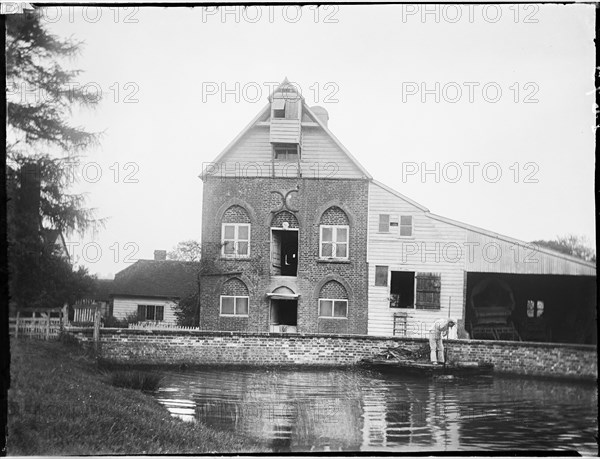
pixel 384 223
pixel 150 312
pixel 333 301
pixel 535 308
pixel 406 225
pixel 381 276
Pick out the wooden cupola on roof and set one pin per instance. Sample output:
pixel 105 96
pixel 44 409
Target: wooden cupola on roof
pixel 286 113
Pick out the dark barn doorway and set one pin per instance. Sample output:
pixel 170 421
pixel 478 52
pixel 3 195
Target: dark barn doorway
pixel 542 307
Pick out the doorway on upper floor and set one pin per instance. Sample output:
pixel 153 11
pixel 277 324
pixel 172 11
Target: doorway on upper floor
pixel 284 252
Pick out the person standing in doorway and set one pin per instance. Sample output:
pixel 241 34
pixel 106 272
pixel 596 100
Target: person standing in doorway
pixel 440 327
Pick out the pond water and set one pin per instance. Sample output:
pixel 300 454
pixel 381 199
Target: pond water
pixel 356 410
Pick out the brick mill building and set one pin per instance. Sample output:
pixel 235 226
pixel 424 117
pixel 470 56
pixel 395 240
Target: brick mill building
pixel 298 237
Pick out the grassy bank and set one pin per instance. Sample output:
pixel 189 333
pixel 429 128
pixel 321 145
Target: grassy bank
pixel 61 404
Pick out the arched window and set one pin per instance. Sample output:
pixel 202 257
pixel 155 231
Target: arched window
pixel 235 233
pixel 235 299
pixel 333 301
pixel 334 235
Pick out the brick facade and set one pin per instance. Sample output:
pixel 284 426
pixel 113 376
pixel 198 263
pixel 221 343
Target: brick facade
pixel 333 290
pixel 284 217
pixel 263 202
pixel 235 214
pixel 334 216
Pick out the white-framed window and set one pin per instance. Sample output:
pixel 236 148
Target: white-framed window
pixel 150 312
pixel 334 241
pixel 234 305
pixel 406 226
pixel 384 223
pixel 235 239
pixel 337 309
pixel 286 152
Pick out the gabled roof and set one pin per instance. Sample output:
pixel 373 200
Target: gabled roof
pixel 491 234
pixel 152 278
pixel 265 112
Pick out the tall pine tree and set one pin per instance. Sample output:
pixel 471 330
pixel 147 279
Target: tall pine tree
pixel 42 149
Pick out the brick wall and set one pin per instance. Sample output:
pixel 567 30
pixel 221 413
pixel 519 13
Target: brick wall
pixel 313 202
pixel 235 214
pixel 284 217
pixel 201 347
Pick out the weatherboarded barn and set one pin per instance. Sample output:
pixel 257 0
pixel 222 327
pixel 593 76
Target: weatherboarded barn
pixel 423 266
pixel 150 289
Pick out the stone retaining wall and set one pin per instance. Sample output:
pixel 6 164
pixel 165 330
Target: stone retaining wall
pixel 165 347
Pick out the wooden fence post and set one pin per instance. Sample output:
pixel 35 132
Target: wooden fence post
pixel 47 326
pixel 96 329
pixel 64 316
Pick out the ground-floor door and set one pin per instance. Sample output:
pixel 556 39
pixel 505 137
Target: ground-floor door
pixel 283 316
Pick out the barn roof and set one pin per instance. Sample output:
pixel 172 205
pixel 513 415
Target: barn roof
pixel 157 278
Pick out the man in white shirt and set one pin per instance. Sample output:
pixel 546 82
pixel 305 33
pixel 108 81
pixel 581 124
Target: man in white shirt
pixel 440 327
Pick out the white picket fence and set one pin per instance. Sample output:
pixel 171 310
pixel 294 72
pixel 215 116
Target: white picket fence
pixel 35 327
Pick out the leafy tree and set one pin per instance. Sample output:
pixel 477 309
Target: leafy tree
pixel 186 251
pixel 570 244
pixel 186 311
pixel 42 149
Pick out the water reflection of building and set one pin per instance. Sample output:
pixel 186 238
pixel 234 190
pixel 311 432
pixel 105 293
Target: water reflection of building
pixel 287 410
pixel 414 416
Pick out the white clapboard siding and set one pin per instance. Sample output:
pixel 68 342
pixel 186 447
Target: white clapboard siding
pixel 320 156
pixel 285 131
pixel 394 252
pixel 249 157
pixel 122 307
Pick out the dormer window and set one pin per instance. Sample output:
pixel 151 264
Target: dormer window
pixel 286 152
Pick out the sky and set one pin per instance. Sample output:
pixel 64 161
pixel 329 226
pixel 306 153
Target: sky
pixel 481 113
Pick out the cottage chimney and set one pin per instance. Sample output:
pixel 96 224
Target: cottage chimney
pixel 160 255
pixel 321 114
